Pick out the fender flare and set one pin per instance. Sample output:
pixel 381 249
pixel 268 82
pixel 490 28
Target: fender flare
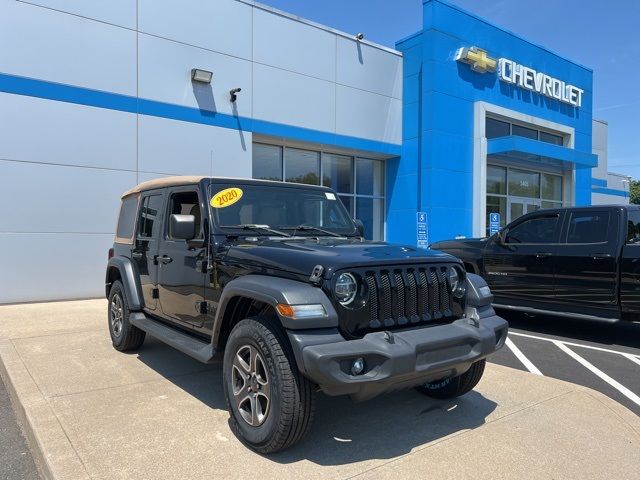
pixel 275 290
pixel 128 275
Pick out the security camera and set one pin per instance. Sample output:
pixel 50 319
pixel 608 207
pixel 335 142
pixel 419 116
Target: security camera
pixel 233 93
pixel 359 36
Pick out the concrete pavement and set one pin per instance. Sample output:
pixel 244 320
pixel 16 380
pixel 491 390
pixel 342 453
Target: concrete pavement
pixel 92 412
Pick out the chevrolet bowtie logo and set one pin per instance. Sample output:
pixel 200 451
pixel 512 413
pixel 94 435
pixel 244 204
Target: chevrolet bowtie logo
pixel 477 58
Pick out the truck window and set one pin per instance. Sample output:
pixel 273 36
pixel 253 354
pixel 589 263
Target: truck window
pixel 147 224
pixel 185 203
pixel 633 227
pixel 534 230
pixel 127 219
pixel 588 227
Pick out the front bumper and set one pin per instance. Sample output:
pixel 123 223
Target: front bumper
pixel 398 360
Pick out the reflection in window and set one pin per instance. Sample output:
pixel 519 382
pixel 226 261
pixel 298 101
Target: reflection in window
pixel 302 166
pixel 496 180
pixel 496 128
pixel 496 205
pixel 369 177
pixel 337 172
pixel 151 206
pixel 633 227
pixel 588 227
pixel 524 184
pixel 551 138
pixel 126 222
pixel 551 187
pixel 521 131
pixel 534 230
pixel 267 162
pixel 371 212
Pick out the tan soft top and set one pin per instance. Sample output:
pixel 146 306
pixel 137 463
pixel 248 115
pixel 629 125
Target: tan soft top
pixel 164 182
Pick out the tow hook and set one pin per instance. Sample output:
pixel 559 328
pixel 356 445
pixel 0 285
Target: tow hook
pixel 388 336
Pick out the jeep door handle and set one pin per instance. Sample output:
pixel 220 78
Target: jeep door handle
pixel 601 256
pixel 544 254
pixel 165 259
pixel 137 255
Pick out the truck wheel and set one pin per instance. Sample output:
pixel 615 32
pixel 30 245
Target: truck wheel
pixel 124 336
pixel 270 404
pixel 454 386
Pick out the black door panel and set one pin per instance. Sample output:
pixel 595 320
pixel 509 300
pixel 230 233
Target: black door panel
pixel 586 263
pixel 519 263
pixel 630 266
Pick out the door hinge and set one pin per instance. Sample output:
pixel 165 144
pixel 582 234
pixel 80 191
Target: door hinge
pixel 155 293
pixel 316 275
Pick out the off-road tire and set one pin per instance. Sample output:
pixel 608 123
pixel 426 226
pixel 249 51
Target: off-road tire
pixel 292 401
pixel 455 386
pixel 127 337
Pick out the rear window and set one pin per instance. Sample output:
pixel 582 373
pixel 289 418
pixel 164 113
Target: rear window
pixel 633 227
pixel 588 227
pixel 127 220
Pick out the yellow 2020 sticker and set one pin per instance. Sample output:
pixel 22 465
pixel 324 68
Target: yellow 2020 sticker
pixel 226 197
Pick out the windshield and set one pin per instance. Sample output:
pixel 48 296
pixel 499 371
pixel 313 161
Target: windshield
pixel 294 210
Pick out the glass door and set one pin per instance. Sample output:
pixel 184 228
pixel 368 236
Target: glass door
pixel 520 206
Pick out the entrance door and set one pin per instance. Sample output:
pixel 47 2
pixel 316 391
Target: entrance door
pixel 518 206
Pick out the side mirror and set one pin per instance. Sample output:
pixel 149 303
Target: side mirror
pixel 360 227
pixel 182 227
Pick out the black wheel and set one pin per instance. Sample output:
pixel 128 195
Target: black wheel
pixel 124 336
pixel 270 404
pixel 455 386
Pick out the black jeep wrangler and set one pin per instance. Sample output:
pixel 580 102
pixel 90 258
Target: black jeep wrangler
pixel 280 278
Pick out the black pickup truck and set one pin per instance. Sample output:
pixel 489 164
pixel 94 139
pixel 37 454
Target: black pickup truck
pixel 581 262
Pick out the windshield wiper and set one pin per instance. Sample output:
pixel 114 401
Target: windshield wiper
pixel 260 228
pixel 303 228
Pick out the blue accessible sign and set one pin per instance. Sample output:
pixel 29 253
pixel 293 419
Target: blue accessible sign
pixel 494 223
pixel 421 225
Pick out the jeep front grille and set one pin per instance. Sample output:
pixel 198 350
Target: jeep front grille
pixel 402 296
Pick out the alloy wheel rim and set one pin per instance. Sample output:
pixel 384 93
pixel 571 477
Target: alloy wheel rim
pixel 250 385
pixel 116 315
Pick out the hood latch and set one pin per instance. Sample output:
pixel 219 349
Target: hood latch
pixel 316 275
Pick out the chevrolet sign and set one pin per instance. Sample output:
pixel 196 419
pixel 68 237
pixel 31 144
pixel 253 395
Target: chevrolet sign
pixel 520 75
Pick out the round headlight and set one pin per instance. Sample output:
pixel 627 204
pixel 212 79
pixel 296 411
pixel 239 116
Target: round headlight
pixel 345 288
pixel 456 282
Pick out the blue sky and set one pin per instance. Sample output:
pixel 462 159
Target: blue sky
pixel 602 35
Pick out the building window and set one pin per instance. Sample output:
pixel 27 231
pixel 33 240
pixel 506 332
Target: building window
pixel 513 192
pixel 267 162
pixel 358 181
pixel 495 128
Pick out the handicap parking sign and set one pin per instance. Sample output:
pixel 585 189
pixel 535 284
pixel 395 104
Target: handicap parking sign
pixel 421 230
pixel 494 223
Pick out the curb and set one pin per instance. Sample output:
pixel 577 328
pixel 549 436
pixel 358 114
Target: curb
pixel 53 453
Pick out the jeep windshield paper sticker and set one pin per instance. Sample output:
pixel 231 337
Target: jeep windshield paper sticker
pixel 226 197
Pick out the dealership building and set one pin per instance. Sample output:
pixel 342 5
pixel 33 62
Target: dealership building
pixel 460 129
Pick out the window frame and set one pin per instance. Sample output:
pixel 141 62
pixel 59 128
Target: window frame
pixel 569 218
pixel 144 197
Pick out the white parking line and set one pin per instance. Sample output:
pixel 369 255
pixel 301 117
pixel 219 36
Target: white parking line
pixel 635 360
pixel 526 335
pixel 618 386
pixel 525 361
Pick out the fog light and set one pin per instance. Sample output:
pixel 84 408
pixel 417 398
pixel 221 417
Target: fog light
pixel 358 366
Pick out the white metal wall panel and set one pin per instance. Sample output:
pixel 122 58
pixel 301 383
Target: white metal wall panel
pixel 220 25
pixel 38 198
pixel 291 45
pixel 40 130
pixel 67 266
pixel 285 97
pixel 368 68
pixel 599 136
pixel 116 12
pixel 368 115
pixel 165 75
pixel 180 148
pixel 604 199
pixel 58 47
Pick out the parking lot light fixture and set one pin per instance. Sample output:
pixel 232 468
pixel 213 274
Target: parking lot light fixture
pixel 201 76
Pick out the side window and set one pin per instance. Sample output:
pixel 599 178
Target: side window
pixel 588 227
pixel 534 230
pixel 149 213
pixel 186 203
pixel 127 219
pixel 633 227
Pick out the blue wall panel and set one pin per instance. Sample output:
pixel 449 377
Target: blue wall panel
pixel 444 117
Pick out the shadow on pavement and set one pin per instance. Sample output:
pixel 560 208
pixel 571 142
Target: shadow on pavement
pixel 624 334
pixel 343 431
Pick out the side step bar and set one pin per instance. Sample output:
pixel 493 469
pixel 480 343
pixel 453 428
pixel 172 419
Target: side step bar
pixel 575 316
pixel 201 351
